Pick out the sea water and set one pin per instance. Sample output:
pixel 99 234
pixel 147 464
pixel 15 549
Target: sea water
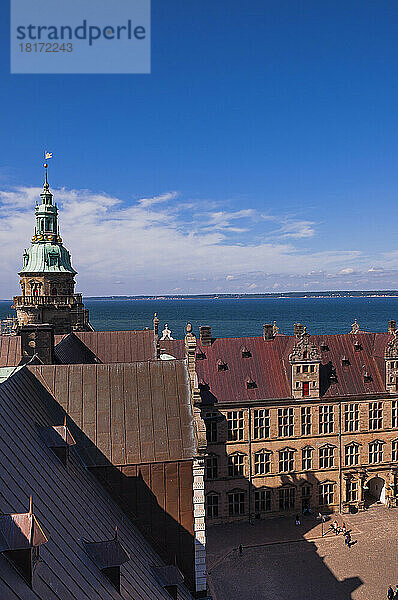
pixel 243 316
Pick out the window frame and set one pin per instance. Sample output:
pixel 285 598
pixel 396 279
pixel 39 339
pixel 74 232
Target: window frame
pixel 235 425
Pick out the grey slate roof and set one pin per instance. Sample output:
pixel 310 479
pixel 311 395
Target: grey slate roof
pixel 69 504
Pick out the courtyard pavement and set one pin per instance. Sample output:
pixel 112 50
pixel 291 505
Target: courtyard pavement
pixel 283 561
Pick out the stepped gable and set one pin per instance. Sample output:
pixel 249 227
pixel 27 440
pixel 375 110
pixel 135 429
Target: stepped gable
pixel 266 363
pixel 70 506
pixel 130 413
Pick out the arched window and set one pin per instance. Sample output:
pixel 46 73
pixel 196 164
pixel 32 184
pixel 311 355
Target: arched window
pixel 236 464
pixel 262 462
pixel 306 458
pixel 286 460
pixel 351 454
pixel 326 457
pixel 376 452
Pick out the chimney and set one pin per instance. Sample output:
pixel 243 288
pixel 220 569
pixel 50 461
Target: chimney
pixel 298 329
pixel 268 331
pixel 37 340
pixel 205 335
pixel 155 324
pixel 392 326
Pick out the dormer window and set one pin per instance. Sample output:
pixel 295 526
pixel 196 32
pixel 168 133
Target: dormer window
pixel 251 384
pixel 324 345
pixel 367 377
pixel 357 346
pixel 108 556
pixel 221 365
pixel 53 259
pixel 200 355
pixel 20 538
pixel 345 361
pixel 59 439
pixel 245 352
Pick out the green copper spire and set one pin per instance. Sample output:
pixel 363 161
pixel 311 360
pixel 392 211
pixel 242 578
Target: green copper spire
pixel 46 253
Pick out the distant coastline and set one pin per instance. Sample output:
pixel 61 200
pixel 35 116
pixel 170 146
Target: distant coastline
pixel 265 296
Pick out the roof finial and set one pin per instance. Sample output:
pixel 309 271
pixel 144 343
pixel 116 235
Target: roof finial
pixel 31 505
pixel 47 155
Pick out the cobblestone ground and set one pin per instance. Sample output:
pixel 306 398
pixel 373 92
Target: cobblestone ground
pixel 287 562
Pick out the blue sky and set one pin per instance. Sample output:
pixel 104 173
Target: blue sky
pixel 259 155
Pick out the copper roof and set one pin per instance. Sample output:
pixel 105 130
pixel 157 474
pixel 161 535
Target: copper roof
pixel 69 504
pixel 130 413
pixel 10 350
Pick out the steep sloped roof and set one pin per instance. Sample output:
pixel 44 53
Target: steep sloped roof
pixel 112 346
pixel 268 366
pixel 10 350
pixel 132 413
pixel 69 504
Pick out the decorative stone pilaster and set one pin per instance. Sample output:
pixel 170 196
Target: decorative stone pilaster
pixel 199 524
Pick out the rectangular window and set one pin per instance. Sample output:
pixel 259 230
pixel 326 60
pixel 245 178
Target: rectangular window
pixel 210 420
pixel 351 455
pixel 286 461
pixel 352 491
pixel 235 465
pixel 375 452
pixel 261 424
pixel 262 463
pixel 212 506
pixel 262 501
pixel 326 419
pixel 236 425
pixel 306 388
pixel 394 453
pixel 287 497
pixel 306 456
pixel 375 415
pixel 285 422
pixel 326 457
pixel 351 417
pixel 305 368
pixel 306 420
pixel 211 467
pixel 312 368
pixel 236 503
pixel 394 414
pixel 305 491
pixel 326 494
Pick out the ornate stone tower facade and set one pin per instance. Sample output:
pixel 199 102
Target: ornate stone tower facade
pixel 305 361
pixel 47 276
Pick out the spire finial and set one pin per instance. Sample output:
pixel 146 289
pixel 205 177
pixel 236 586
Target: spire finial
pixel 31 505
pixel 47 155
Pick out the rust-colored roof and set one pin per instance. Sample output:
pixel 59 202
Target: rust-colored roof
pixel 119 346
pixel 269 367
pixel 69 504
pixel 132 413
pixel 10 350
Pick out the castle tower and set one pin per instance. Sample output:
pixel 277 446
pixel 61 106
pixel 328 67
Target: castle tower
pixel 47 276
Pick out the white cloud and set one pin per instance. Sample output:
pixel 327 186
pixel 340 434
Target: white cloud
pixel 160 245
pixel 346 271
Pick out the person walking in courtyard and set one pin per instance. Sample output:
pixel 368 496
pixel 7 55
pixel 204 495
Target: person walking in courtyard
pixel 390 593
pixel 343 528
pixel 298 522
pixel 240 548
pixel 347 540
